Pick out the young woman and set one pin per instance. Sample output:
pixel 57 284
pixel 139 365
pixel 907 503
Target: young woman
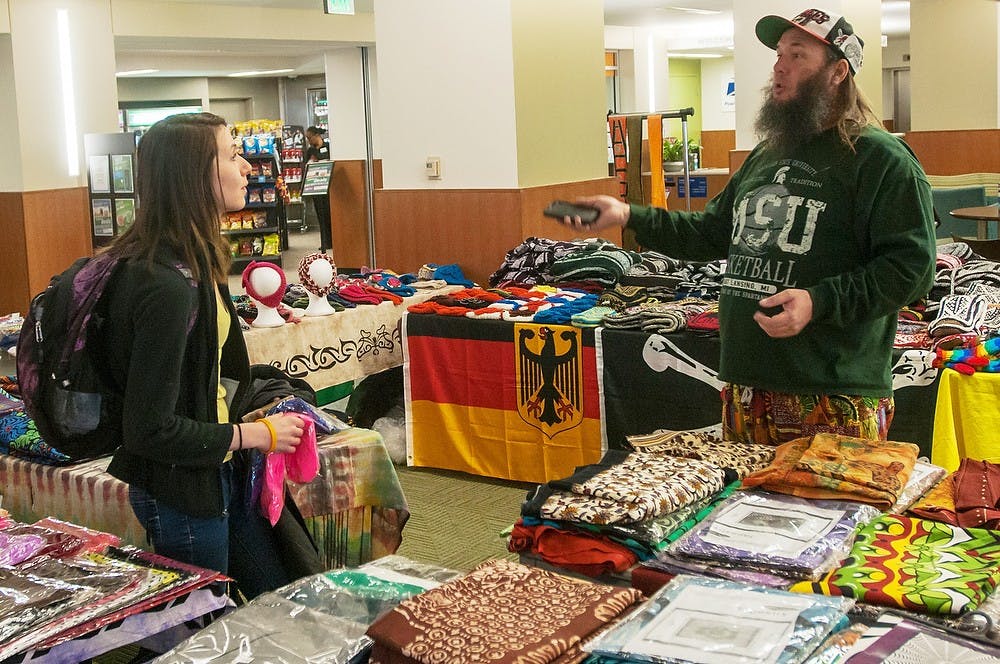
pixel 175 349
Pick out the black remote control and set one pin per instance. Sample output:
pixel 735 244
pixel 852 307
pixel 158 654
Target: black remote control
pixel 560 209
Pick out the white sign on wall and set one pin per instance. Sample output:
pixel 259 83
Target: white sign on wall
pixel 729 96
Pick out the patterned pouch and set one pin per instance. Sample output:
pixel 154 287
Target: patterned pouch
pixel 958 314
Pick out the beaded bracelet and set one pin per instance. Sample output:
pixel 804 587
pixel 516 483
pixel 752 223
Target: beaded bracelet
pixel 274 434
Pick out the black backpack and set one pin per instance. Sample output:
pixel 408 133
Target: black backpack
pixel 73 409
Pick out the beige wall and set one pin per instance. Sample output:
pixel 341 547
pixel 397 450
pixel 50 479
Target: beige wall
pixel 187 19
pixel 559 94
pixel 953 64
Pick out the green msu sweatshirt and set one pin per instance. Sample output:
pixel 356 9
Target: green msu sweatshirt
pixel 854 229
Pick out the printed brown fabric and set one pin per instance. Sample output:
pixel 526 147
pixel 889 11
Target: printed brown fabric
pixel 839 467
pixel 499 612
pixel 977 493
pixel 741 458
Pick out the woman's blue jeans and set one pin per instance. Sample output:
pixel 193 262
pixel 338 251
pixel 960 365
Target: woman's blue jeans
pixel 240 543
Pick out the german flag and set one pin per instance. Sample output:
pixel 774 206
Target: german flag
pixel 517 401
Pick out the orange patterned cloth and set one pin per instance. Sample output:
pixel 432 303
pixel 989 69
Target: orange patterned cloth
pixel 833 466
pixel 938 504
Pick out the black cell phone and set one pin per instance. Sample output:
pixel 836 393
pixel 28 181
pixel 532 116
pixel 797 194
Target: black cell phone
pixel 560 209
pixel 771 311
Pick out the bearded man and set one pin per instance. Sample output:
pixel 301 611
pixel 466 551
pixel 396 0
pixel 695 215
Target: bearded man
pixel 828 230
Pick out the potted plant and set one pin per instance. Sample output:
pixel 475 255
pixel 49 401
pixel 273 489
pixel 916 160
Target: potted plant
pixel 673 154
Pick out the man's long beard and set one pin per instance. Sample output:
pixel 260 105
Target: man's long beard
pixel 786 125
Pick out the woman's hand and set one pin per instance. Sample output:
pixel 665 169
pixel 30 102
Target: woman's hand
pixel 614 212
pixel 288 430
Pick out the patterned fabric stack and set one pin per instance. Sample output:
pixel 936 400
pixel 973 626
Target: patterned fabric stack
pixel 742 458
pixel 830 466
pixel 658 317
pixel 598 261
pixel 605 517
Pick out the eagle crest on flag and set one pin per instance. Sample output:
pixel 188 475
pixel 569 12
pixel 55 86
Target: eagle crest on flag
pixel 549 377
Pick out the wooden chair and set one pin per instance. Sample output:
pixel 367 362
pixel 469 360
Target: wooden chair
pixel 989 249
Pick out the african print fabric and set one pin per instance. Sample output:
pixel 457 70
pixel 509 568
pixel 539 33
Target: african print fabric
pixel 918 565
pixel 770 418
pixel 626 490
pixel 741 458
pixel 839 467
pixel 499 612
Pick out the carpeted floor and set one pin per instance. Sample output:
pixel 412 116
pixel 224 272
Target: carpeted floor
pixel 456 519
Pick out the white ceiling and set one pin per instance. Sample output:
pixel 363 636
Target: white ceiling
pixel 218 57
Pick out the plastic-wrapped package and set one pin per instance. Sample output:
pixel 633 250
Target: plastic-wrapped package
pixel 16 548
pixel 695 619
pixel 924 476
pixel 272 629
pixel 93 540
pixel 320 618
pixel 910 641
pixel 794 537
pixel 58 544
pixel 325 422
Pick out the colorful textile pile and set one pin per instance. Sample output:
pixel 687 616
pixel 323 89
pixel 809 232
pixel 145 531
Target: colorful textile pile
pixel 499 612
pixel 597 260
pixel 607 516
pixel 60 581
pixel 19 436
pixel 917 565
pixel 831 466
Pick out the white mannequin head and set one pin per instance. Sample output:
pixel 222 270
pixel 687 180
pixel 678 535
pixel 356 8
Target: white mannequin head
pixel 321 272
pixel 265 282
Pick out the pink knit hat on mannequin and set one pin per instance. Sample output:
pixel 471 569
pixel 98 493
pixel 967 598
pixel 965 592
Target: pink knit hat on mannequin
pixel 269 299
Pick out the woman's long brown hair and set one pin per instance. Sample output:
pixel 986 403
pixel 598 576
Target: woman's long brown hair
pixel 175 169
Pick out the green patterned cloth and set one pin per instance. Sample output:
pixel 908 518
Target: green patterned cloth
pixel 918 565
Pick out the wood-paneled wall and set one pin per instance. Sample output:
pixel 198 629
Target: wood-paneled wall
pixel 957 151
pixel 473 227
pixel 43 231
pixel 715 147
pixel 348 211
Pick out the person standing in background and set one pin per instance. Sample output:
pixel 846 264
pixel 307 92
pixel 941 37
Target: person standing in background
pixel 828 229
pixel 319 150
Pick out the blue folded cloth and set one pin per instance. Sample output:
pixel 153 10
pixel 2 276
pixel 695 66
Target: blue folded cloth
pixel 452 274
